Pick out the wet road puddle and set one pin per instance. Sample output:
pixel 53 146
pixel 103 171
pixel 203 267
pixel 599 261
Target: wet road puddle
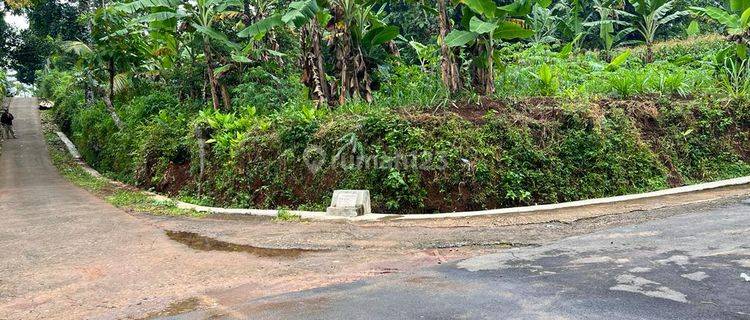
pixel 202 243
pixel 176 308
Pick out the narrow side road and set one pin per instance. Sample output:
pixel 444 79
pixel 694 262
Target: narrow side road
pixel 65 254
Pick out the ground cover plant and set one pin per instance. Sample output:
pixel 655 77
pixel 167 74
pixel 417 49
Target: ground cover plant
pixel 431 105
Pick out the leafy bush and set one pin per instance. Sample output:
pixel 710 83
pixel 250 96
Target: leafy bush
pixel 408 86
pixel 3 84
pixel 165 141
pixel 262 89
pixel 55 84
pixel 144 107
pixel 627 83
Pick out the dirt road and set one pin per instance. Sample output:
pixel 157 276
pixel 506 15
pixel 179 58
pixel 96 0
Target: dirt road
pixel 66 254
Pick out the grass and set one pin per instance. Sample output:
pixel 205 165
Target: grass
pixel 123 197
pixel 284 215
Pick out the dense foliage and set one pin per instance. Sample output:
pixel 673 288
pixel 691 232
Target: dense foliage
pixel 490 104
pixel 3 85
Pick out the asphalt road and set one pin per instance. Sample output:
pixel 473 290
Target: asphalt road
pixel 683 267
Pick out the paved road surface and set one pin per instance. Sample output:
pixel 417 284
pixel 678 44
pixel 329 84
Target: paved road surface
pixel 65 254
pixel 682 267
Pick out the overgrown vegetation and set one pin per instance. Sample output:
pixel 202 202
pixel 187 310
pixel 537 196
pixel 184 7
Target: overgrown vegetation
pixel 497 104
pixel 3 85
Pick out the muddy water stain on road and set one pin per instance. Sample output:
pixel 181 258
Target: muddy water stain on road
pixel 175 308
pixel 203 243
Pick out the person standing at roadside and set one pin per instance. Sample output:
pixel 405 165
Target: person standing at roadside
pixel 6 121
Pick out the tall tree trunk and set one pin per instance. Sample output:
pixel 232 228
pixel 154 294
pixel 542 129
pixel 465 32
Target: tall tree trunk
pixel 313 68
pixel 191 72
pixel 343 54
pixel 364 84
pixel 489 74
pixel 482 75
pixel 210 70
pixel 201 136
pixel 112 112
pixel 88 88
pixel 225 97
pixel 84 7
pixel 448 67
pixel 109 95
pixel 319 64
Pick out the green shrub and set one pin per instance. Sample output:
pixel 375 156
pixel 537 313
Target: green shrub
pixel 165 141
pixel 55 85
pixel 142 108
pixel 262 89
pixel 409 86
pixel 3 84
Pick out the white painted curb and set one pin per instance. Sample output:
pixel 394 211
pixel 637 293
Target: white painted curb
pixel 69 145
pixel 315 215
pixel 582 203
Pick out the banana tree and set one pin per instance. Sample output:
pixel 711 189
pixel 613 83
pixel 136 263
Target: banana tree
pixel 169 45
pixel 356 32
pixel 545 23
pixel 609 15
pixel 484 25
pixel 736 20
pixel 649 16
pixel 450 73
pixel 199 17
pixel 309 19
pixel 571 25
pixel 353 29
pixel 255 11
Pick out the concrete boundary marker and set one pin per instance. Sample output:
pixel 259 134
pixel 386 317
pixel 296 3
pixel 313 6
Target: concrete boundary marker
pixel 315 215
